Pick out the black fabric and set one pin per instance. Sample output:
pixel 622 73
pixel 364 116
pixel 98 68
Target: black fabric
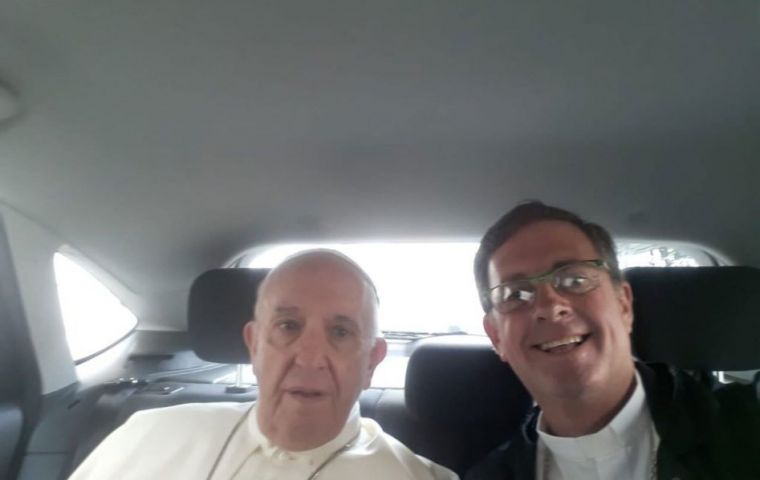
pixel 459 379
pixel 11 421
pixel 221 302
pixel 462 399
pixel 704 434
pixel 20 389
pixel 697 318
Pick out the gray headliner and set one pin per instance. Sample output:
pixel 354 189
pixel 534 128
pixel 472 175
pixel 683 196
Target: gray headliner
pixel 162 138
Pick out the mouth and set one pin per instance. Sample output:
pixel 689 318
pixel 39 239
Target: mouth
pixel 562 345
pixel 305 394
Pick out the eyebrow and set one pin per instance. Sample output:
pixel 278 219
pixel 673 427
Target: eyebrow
pixel 286 310
pixel 340 318
pixel 345 319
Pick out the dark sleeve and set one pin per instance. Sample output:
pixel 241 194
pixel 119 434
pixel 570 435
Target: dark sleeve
pixel 740 409
pixel 490 468
pixel 515 460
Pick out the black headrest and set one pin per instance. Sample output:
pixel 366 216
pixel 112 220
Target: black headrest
pixel 702 318
pixel 462 374
pixel 221 302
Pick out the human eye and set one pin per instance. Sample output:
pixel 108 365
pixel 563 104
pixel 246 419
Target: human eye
pixel 573 282
pixel 575 279
pixel 340 331
pixel 287 325
pixel 514 296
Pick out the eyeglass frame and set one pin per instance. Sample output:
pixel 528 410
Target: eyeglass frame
pixel 599 263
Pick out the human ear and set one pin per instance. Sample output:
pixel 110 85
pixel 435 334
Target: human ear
pixel 489 325
pixel 625 297
pixel 250 335
pixel 376 355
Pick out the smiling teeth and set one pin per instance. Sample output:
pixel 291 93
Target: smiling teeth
pixel 558 343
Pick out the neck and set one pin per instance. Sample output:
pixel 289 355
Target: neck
pixel 296 437
pixel 589 412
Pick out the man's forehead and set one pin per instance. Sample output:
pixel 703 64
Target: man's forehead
pixel 290 310
pixel 317 281
pixel 307 267
pixel 538 248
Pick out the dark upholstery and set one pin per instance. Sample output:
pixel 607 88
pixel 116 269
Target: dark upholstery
pixel 20 389
pixel 11 420
pixel 698 318
pixel 462 374
pixel 221 302
pixel 462 399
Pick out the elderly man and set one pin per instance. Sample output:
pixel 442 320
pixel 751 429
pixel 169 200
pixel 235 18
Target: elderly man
pixel 314 345
pixel 559 312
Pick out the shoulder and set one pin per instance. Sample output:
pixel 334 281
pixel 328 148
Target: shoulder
pixel 499 464
pixel 381 447
pixel 713 423
pixel 185 418
pixel 681 389
pixel 160 436
pixel 198 412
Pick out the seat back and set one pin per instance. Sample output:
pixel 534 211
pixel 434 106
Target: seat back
pixel 221 302
pixel 697 318
pixel 467 401
pixel 20 390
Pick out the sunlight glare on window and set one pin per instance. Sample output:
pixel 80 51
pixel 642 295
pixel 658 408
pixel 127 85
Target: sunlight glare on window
pixel 93 317
pixel 430 287
pixel 423 287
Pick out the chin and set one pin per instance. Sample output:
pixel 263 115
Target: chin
pixel 575 383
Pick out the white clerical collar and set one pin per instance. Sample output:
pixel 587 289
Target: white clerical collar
pixel 624 430
pixel 261 443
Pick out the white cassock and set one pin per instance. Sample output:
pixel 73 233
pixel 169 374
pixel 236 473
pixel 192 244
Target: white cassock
pixel 184 441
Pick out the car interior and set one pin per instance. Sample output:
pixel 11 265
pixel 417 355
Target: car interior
pixel 157 159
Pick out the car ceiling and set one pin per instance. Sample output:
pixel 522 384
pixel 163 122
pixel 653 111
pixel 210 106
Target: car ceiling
pixel 161 138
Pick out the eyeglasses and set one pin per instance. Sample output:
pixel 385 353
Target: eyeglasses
pixel 575 278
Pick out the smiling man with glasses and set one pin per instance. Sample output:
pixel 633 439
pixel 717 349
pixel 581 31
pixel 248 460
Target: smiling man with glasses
pixel 559 312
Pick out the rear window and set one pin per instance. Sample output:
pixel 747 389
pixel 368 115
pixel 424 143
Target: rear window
pixel 428 288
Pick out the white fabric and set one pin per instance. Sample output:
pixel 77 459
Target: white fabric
pixel 623 449
pixel 182 442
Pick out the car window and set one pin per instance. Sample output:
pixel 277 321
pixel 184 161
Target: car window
pixel 429 288
pixel 93 316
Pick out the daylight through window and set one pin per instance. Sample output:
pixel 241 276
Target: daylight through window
pixel 429 287
pixel 93 317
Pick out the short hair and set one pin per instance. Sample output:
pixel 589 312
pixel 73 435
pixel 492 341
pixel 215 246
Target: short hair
pixel 526 214
pixel 370 289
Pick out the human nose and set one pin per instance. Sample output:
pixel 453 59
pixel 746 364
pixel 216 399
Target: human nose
pixel 548 304
pixel 311 350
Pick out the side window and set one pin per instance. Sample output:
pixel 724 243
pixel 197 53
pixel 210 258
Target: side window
pixel 92 315
pixel 644 254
